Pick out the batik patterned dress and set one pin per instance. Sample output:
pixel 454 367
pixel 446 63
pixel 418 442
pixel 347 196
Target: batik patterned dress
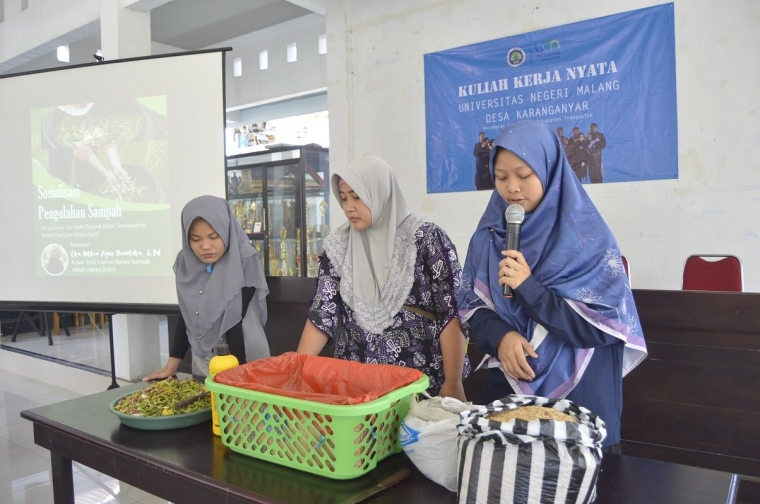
pixel 412 339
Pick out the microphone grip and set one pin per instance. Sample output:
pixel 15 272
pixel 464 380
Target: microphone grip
pixel 513 243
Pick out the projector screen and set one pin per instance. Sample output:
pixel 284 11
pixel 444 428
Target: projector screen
pixel 97 162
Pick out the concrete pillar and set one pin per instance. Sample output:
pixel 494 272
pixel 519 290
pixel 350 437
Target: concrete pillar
pixel 136 345
pixel 124 32
pixel 340 91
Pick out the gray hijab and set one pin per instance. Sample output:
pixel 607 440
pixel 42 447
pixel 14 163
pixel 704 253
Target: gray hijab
pixel 376 265
pixel 216 297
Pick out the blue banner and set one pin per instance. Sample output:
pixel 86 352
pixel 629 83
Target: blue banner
pixel 607 86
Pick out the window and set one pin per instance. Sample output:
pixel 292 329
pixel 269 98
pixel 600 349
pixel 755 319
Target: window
pixel 292 52
pixel 62 53
pixel 237 67
pixel 323 44
pixel 263 60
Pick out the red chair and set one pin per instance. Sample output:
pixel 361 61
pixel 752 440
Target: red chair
pixel 713 273
pixel 625 267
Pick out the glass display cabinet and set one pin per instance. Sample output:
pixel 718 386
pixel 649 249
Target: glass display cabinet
pixel 280 196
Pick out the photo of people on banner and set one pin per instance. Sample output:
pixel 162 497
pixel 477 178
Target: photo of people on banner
pixel 604 85
pixel 583 151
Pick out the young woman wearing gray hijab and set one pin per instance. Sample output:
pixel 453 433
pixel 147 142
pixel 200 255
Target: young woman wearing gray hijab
pixel 387 284
pixel 221 289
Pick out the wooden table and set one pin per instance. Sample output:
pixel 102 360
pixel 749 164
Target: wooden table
pixel 191 465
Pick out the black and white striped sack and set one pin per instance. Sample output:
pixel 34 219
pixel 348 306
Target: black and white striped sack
pixel 528 462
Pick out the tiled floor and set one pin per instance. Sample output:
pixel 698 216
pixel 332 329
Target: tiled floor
pixel 85 346
pixel 24 466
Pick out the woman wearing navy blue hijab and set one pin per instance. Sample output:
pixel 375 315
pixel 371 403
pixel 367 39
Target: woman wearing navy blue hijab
pixel 571 330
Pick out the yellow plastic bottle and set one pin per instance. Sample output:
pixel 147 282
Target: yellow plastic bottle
pixel 222 361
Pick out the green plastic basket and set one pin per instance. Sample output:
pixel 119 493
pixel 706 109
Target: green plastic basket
pixel 336 441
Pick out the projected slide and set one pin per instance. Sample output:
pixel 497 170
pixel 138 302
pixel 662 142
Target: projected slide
pixel 99 173
pixel 97 162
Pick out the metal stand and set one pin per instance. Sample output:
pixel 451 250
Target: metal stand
pixel 40 331
pixel 47 330
pixel 61 324
pixel 113 384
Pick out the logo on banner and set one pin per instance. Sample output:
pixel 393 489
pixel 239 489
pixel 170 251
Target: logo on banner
pixel 547 50
pixel 515 57
pixel 548 46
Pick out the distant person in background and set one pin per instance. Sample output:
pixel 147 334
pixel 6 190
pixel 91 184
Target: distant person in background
pixel 482 153
pixel 561 135
pixel 576 134
pixel 481 137
pixel 596 142
pixel 476 151
pixel 235 183
pixel 220 287
pixel 483 179
pixel 387 284
pixel 577 155
pixel 231 184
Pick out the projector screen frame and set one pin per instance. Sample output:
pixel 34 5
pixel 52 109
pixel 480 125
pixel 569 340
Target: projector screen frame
pixel 54 306
pixel 125 60
pixel 110 307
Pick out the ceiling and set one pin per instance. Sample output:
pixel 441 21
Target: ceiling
pixel 195 24
pixel 185 24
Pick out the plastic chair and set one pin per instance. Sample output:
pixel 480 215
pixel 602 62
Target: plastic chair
pixel 713 272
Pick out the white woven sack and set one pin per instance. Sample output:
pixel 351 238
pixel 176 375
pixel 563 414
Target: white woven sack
pixel 429 435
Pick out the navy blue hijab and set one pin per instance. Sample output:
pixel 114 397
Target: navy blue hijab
pixel 570 250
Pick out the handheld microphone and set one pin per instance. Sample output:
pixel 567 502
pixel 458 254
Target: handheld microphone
pixel 515 215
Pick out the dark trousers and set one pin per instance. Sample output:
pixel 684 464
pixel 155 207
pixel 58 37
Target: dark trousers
pixel 581 170
pixel 595 170
pixel 483 177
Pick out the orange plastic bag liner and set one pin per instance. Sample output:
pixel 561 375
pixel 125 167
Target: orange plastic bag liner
pixel 320 379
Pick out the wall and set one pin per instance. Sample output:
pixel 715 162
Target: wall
pixel 308 73
pixel 80 51
pixel 279 109
pixel 374 73
pixel 26 34
pixel 376 92
pixel 302 84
